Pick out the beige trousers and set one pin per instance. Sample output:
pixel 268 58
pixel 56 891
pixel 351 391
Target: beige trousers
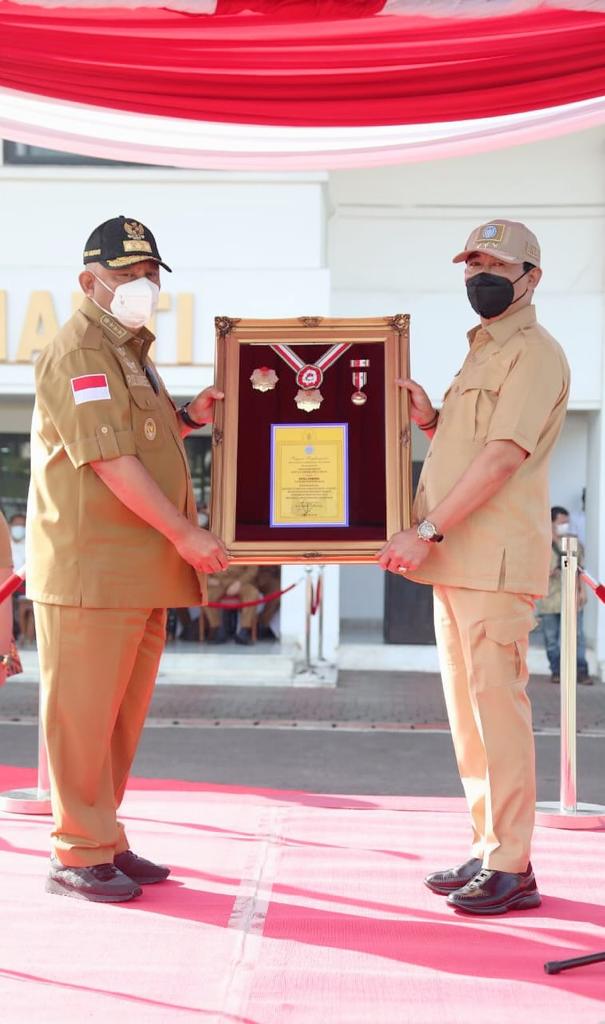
pixel 98 667
pixel 482 639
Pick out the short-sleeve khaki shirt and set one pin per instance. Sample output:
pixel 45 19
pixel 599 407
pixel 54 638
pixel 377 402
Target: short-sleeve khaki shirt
pixel 94 401
pixel 514 386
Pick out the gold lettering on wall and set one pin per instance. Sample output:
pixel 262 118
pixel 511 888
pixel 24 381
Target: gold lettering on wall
pixel 39 328
pixel 184 328
pixel 164 304
pixel 40 325
pixel 3 331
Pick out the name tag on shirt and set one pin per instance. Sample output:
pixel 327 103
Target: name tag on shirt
pixel 93 387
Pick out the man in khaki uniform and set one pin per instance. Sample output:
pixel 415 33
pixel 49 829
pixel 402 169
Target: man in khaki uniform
pixel 483 541
pixel 112 541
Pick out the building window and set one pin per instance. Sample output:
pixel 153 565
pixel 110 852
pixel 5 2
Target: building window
pixel 15 468
pixel 199 456
pixel 14 473
pixel 18 153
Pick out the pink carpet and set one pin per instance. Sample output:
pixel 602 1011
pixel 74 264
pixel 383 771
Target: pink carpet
pixel 290 908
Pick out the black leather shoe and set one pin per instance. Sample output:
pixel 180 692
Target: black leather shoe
pixel 142 871
pixel 497 892
pixel 100 883
pixel 266 633
pixel 445 882
pixel 216 636
pixel 244 637
pixel 584 679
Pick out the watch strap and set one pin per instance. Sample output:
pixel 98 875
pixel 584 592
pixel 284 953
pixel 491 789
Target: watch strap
pixel 186 418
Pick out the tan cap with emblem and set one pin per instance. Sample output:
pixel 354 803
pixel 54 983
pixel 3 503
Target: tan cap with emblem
pixel 509 240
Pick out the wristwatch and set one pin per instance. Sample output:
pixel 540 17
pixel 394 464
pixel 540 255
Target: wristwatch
pixel 428 531
pixel 186 418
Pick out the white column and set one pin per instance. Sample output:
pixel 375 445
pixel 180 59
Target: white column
pixel 595 516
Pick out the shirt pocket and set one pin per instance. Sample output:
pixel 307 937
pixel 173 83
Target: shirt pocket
pixel 147 424
pixel 479 391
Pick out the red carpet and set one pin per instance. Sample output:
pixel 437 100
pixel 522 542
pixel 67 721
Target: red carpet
pixel 290 908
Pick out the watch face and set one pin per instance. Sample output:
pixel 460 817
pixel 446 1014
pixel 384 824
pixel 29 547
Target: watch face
pixel 426 530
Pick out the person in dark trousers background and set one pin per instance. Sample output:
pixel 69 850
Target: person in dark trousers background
pixel 549 607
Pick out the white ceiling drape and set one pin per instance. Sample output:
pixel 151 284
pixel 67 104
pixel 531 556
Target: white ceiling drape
pixel 165 141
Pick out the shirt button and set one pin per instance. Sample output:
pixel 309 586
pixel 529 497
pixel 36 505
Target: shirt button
pixel 104 430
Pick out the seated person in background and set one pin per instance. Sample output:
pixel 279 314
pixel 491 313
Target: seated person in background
pixel 548 609
pixel 236 582
pixel 268 578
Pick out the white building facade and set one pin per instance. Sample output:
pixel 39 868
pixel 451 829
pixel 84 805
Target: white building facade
pixel 347 243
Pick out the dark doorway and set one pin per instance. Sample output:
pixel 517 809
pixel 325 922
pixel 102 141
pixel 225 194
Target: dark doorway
pixel 408 607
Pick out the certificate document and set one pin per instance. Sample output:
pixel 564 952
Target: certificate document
pixel 309 475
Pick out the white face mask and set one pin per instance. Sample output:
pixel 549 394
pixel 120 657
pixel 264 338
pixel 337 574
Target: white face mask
pixel 562 529
pixel 18 533
pixel 133 303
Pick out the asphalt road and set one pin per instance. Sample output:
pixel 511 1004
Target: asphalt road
pixel 322 760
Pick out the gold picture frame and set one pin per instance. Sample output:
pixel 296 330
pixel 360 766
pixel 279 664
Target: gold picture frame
pixel 381 476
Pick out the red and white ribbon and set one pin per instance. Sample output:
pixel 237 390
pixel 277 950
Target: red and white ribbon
pixel 310 375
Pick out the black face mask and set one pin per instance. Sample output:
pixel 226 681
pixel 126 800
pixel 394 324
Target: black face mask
pixel 491 294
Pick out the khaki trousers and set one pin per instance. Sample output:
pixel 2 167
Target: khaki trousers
pixel 482 639
pixel 98 667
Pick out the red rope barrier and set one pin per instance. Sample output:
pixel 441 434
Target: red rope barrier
pixel 232 606
pixel 597 588
pixel 316 600
pixel 16 579
pixel 13 583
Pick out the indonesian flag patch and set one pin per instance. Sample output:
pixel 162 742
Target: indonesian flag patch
pixel 93 387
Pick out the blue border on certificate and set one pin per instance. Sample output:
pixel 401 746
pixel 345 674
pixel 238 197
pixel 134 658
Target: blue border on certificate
pixel 309 526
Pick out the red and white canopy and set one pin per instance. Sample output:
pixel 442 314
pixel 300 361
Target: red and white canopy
pixel 297 84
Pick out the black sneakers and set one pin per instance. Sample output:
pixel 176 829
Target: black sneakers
pixel 244 636
pixel 497 892
pixel 445 882
pixel 139 870
pixel 100 883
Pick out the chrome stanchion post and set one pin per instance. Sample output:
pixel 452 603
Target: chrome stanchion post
pixel 308 611
pixel 320 641
pixel 569 646
pixel 31 801
pixel 568 813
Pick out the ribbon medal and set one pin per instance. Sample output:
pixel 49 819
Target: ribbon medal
pixel 360 379
pixel 309 376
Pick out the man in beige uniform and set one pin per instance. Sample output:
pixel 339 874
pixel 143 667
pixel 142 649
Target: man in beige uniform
pixel 483 542
pixel 112 541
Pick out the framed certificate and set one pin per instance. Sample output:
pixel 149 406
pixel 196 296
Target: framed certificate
pixel 309 475
pixel 311 447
